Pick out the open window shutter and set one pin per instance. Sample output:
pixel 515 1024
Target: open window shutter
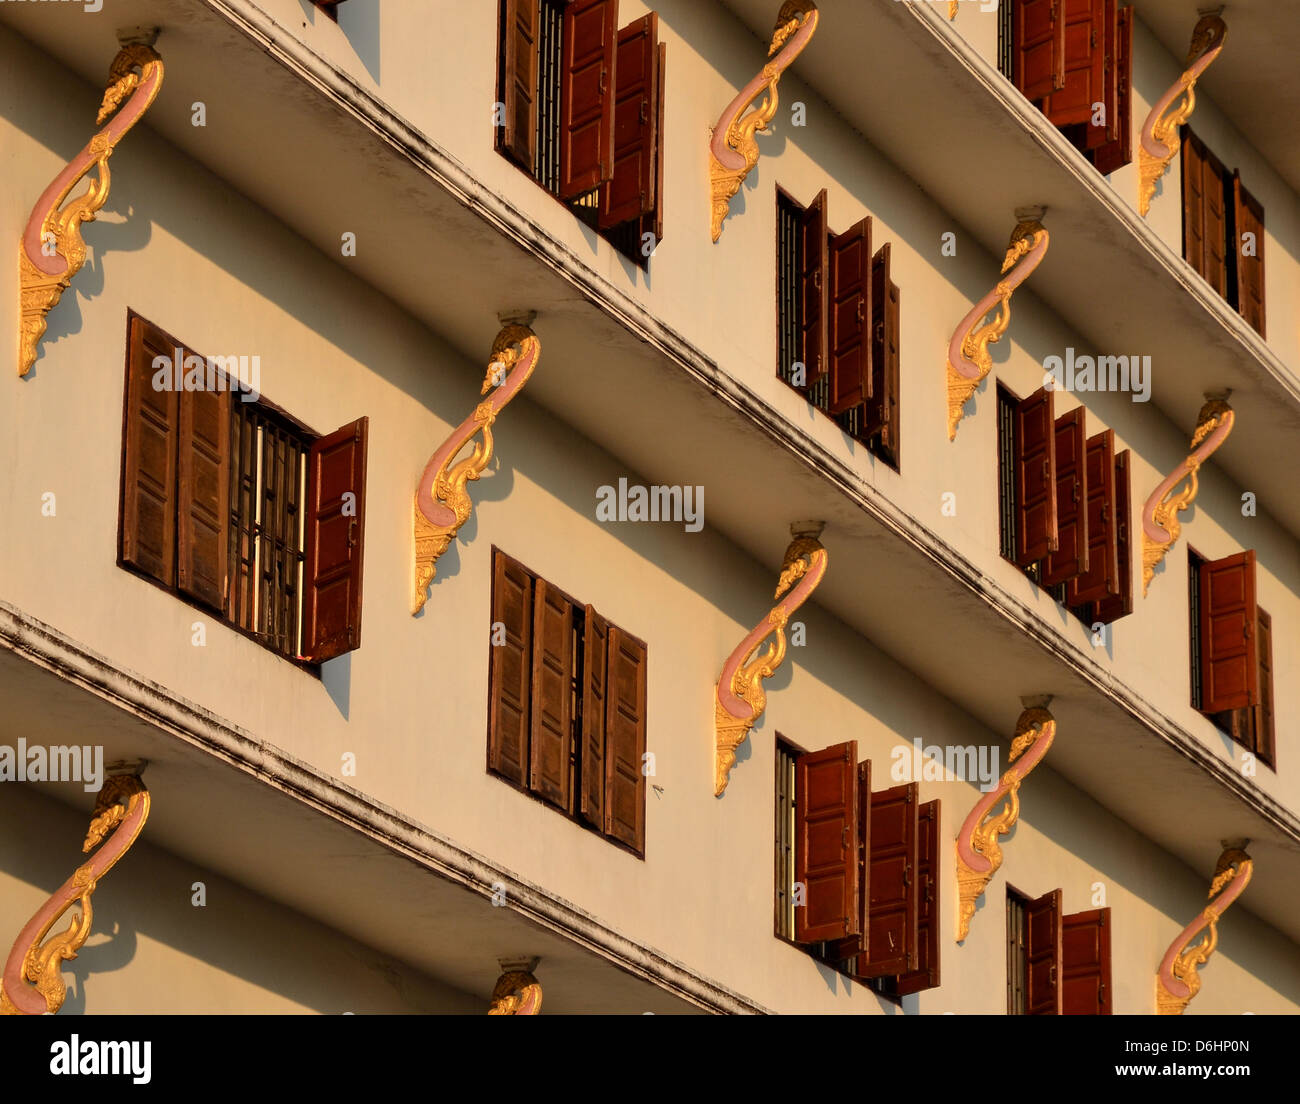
pixel 152 425
pixel 551 732
pixel 511 668
pixel 1229 634
pixel 1071 555
pixel 203 496
pixel 856 947
pixel 850 329
pixel 336 530
pixel 595 672
pixel 880 414
pixel 1193 169
pixel 1085 964
pixel 1097 136
pixel 1043 955
pixel 587 95
pixel 653 221
pixel 630 193
pixel 1085 64
pixel 625 739
pixel 926 974
pixel 1035 464
pixel 1040 47
pixel 1249 219
pixel 1101 579
pixel 814 285
pixel 895 827
pixel 1264 739
pixel 826 843
pixel 1118 152
pixel 1121 604
pixel 1217 190
pixel 520 26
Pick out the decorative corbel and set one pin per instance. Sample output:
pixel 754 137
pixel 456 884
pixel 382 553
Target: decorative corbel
pixel 517 992
pixel 979 855
pixel 1160 526
pixel 442 504
pixel 1177 980
pixel 952 9
pixel 1159 138
pixel 32 983
pixel 733 150
pixel 969 360
pixel 52 250
pixel 739 699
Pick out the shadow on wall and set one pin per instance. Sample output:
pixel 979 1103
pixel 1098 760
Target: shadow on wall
pixel 359 24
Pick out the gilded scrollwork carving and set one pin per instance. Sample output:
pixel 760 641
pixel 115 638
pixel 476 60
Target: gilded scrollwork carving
pixel 979 854
pixel 1158 142
pixel 739 699
pixel 1160 527
pixel 733 150
pixel 969 360
pixel 32 983
pixel 952 9
pixel 52 250
pixel 1178 980
pixel 442 502
pixel 517 993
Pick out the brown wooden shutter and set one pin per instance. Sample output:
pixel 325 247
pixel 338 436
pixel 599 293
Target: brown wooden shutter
pixel 630 193
pixel 1229 634
pixel 203 495
pixel 1205 224
pixel 1043 955
pixel 1120 605
pixel 1085 964
pixel 149 457
pixel 1101 579
pixel 1248 218
pixel 1040 47
pixel 625 740
pixel 850 322
pixel 595 672
pixel 1071 555
pixel 814 289
pixel 653 222
pixel 1264 724
pixel 520 27
pixel 511 668
pixel 1118 152
pixel 587 95
pixel 336 467
pixel 1035 474
pixel 926 974
pixel 857 947
pixel 826 843
pixel 550 745
pixel 1085 64
pixel 881 413
pixel 895 828
pixel 1098 136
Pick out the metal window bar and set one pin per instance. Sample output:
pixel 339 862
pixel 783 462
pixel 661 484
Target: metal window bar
pixel 1007 40
pixel 1194 625
pixel 789 304
pixel 1007 475
pixel 785 811
pixel 550 48
pixel 1017 956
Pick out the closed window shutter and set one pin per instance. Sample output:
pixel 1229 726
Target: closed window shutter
pixel 1229 634
pixel 1264 739
pixel 856 947
pixel 1085 58
pixel 1121 604
pixel 551 736
pixel 1043 955
pixel 895 828
pixel 152 426
pixel 814 285
pixel 1118 151
pixel 203 495
pixel 511 668
pixel 653 222
pixel 587 95
pixel 1040 47
pixel 1071 555
pixel 850 329
pixel 1249 219
pixel 520 26
pixel 595 672
pixel 625 740
pixel 1217 191
pixel 881 413
pixel 1085 964
pixel 1193 167
pixel 1097 136
pixel 336 529
pixel 826 843
pixel 630 193
pixel 1035 476
pixel 1101 580
pixel 926 974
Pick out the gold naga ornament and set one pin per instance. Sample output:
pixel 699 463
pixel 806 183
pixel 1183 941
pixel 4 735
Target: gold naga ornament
pixel 979 854
pixel 442 503
pixel 1178 979
pixel 517 993
pixel 969 360
pixel 739 698
pixel 1158 142
pixel 733 150
pixel 32 984
pixel 52 251
pixel 1160 528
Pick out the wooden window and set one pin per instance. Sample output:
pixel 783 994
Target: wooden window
pixel 567 705
pixel 1085 32
pixel 1057 964
pixel 850 322
pixel 1034 472
pixel 1085 964
pixel 784 817
pixel 893 936
pixel 521 58
pixel 1100 579
pixel 1017 952
pixel 1246 272
pixel 1039 49
pixel 853 950
pixel 928 913
pixel 814 286
pixel 1205 220
pixel 1117 150
pixel 1120 604
pixel 1043 955
pixel 1070 557
pixel 826 843
pixel 880 414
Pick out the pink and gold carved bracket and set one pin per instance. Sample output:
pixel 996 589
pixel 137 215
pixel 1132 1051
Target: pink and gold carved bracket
pixel 739 698
pixel 1158 142
pixel 733 150
pixel 442 503
pixel 517 993
pixel 979 855
pixel 969 360
pixel 1160 526
pixel 52 251
pixel 32 983
pixel 1177 980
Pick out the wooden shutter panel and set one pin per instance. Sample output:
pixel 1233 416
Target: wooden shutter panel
pixel 1040 47
pixel 336 488
pixel 850 321
pixel 203 495
pixel 520 27
pixel 814 289
pixel 1043 955
pixel 881 413
pixel 1097 136
pixel 1071 555
pixel 550 745
pixel 511 668
pixel 653 221
pixel 1085 64
pixel 1118 152
pixel 1248 218
pixel 1264 735
pixel 1229 634
pixel 630 192
pixel 149 458
pixel 1085 964
pixel 1101 579
pixel 595 673
pixel 926 974
pixel 857 947
pixel 587 95
pixel 1193 164
pixel 1035 475
pixel 895 828
pixel 826 843
pixel 625 739
pixel 1217 192
pixel 1120 605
